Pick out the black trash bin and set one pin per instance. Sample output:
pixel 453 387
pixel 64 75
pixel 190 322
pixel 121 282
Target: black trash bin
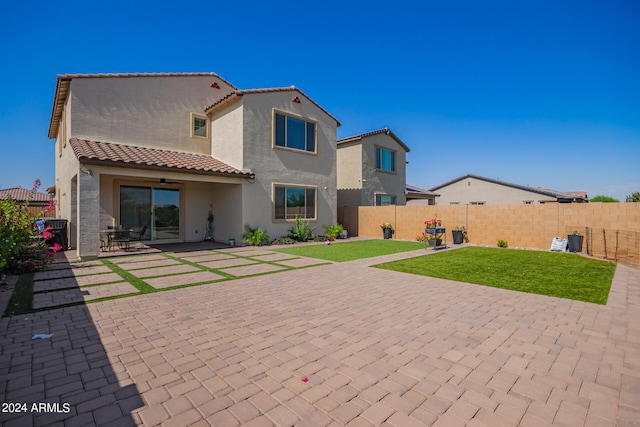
pixel 59 231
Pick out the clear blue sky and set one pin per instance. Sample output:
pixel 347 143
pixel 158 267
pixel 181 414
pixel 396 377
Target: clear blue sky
pixel 540 93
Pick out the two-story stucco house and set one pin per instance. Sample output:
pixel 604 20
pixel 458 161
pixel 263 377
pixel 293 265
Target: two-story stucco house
pixel 372 169
pixel 166 150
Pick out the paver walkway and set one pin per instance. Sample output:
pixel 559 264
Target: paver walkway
pixel 339 344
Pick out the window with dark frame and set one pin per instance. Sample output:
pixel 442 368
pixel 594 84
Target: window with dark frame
pixel 295 133
pixel 294 201
pixel 385 160
pixel 385 200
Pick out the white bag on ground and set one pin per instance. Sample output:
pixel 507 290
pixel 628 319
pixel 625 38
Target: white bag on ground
pixel 559 244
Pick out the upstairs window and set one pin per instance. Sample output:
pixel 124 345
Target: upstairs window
pixel 385 160
pixel 295 133
pixel 199 128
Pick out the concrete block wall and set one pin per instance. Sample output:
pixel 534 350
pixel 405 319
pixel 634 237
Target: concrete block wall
pixel 527 226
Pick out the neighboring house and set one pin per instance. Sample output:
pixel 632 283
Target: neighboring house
pixel 419 197
pixel 372 169
pixel 165 150
pixel 37 200
pixel 478 190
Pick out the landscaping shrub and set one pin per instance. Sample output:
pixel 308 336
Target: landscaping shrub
pixel 503 243
pixel 256 236
pixel 332 231
pixel 23 246
pixel 301 231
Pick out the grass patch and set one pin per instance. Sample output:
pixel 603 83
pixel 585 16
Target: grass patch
pixel 22 297
pixel 136 282
pixel 349 251
pixel 559 275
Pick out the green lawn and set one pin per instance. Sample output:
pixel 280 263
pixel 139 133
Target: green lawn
pixel 349 251
pixel 560 275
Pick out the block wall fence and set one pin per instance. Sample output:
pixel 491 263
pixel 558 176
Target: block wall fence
pixel 611 230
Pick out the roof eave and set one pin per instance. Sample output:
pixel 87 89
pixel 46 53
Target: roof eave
pixel 134 165
pixel 59 99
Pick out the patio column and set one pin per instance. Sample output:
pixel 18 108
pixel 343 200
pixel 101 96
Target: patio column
pixel 88 208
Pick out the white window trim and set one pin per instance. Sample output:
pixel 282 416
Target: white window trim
pixel 295 116
pixel 192 118
pixel 284 185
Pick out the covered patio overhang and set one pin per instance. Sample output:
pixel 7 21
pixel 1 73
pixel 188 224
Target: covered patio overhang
pixel 169 196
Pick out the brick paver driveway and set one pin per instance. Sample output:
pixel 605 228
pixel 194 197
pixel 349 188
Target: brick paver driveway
pixel 340 344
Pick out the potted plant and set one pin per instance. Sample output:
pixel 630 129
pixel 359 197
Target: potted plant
pixel 575 242
pixel 459 235
pixel 434 231
pixel 387 230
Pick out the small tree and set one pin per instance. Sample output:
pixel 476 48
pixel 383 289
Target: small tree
pixel 605 199
pixel 633 197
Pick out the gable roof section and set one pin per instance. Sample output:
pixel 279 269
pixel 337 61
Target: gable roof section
pixel 106 153
pixel 545 192
pixel 418 193
pixel 20 194
pixel 64 81
pixel 375 132
pixel 235 95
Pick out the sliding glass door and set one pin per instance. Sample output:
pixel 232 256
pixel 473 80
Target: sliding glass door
pixel 166 213
pixel 156 208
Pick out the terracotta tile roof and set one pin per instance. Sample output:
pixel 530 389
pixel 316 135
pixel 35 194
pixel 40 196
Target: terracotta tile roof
pixel 235 95
pixel 375 132
pixel 64 81
pixel 20 194
pixel 95 152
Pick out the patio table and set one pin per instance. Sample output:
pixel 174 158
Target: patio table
pixel 121 236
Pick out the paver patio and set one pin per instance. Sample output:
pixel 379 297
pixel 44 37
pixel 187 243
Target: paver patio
pixel 334 344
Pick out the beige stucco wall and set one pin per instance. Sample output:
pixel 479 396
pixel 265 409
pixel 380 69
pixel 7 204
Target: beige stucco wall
pixel 471 190
pixel 227 136
pixel 283 166
pixel 143 111
pixel 349 174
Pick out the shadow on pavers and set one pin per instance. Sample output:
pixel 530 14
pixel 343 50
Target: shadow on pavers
pixel 54 368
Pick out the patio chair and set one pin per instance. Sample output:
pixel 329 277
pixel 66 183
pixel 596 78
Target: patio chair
pixel 139 235
pixel 122 238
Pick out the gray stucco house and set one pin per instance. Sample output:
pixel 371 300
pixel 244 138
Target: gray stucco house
pixel 372 169
pixel 163 150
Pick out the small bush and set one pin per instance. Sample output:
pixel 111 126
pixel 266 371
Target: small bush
pixel 332 231
pixel 503 243
pixel 284 241
pixel 301 231
pixel 256 236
